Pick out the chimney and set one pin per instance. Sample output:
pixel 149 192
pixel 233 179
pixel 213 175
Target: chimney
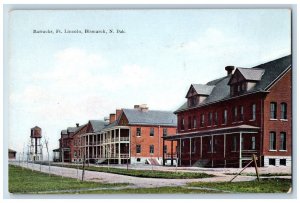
pixel 229 69
pixel 143 108
pixel 77 125
pixel 118 113
pixel 112 117
pixel 106 120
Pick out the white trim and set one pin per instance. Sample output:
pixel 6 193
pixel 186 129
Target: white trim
pixel 284 120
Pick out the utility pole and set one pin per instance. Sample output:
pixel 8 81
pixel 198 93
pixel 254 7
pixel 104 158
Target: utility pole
pixel 46 142
pixel 83 168
pixel 255 164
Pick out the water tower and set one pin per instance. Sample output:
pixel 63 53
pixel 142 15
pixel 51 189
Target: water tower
pixel 36 151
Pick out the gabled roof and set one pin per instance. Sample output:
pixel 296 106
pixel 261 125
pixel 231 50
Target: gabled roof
pixel 248 74
pixel 110 125
pixel 64 132
pixel 269 72
pixel 150 117
pixel 10 150
pixel 97 125
pixel 201 89
pixel 251 73
pixel 72 129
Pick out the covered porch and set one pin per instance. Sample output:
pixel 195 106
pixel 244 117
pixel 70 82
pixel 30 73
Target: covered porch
pixel 222 147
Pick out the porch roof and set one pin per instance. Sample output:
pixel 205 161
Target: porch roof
pixel 218 131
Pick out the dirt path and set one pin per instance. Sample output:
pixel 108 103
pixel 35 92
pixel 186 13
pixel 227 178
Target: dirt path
pixel 134 181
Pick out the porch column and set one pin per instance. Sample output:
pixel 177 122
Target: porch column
pixel 172 153
pixel 96 146
pixel 88 148
pixel 93 149
pixel 164 152
pixel 180 151
pixel 115 144
pixel 129 146
pixel 224 150
pixel 240 156
pixel 190 151
pixel 201 147
pixel 212 151
pixel 62 155
pixel 119 132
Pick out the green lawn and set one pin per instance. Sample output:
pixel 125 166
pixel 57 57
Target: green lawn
pixel 26 181
pixel 146 173
pixel 263 186
pixel 158 190
pixel 23 180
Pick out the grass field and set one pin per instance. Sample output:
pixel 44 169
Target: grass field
pixel 23 180
pixel 26 181
pixel 146 173
pixel 271 185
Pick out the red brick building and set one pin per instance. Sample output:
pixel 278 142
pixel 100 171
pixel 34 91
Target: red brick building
pixel 65 143
pixel 247 112
pixel 129 136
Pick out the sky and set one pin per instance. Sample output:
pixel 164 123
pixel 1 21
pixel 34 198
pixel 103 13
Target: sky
pixel 56 80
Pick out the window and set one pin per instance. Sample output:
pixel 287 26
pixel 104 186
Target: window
pixel 138 132
pixel 272 141
pixel 225 117
pixel 192 101
pixel 165 149
pixel 231 90
pixel 282 141
pixel 75 154
pixel 182 123
pixel 216 118
pixel 244 86
pixel 273 109
pixel 194 122
pixel 253 112
pixel 165 132
pixel 138 159
pixel 283 111
pixel 282 162
pixel 151 132
pixel 202 120
pixel 210 115
pixel 235 112
pixel 189 122
pixel 253 142
pixel 272 162
pixel 138 149
pixel 151 149
pixel 234 145
pixel 241 113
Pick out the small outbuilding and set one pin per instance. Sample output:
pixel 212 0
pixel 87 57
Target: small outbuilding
pixel 11 154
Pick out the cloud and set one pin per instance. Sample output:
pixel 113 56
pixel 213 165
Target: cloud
pixel 80 84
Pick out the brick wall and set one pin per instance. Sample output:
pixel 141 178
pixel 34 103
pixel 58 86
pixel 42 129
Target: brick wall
pixel 279 92
pixel 145 140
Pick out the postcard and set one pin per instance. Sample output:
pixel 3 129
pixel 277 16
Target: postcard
pixel 150 101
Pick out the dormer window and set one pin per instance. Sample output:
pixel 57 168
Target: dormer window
pixel 197 94
pixel 244 79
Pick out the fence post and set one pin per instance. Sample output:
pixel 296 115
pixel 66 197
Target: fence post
pixel 256 169
pixel 83 168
